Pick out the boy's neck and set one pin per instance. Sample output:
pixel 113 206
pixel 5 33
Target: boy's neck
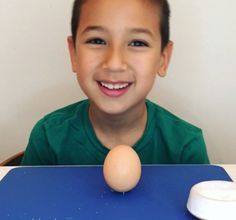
pixel 112 130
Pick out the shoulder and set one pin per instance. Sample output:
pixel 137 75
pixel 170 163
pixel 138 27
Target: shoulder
pixel 182 140
pixel 50 134
pixel 169 122
pixel 61 119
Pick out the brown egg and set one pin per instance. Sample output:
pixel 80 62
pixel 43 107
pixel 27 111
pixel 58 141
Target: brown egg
pixel 122 168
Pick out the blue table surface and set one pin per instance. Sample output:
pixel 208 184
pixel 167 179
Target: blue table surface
pixel 77 192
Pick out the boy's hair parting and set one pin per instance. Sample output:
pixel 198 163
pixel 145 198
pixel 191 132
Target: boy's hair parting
pixel 164 20
pixel 76 11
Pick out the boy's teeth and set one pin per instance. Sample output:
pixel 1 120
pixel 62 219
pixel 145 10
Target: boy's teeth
pixel 114 86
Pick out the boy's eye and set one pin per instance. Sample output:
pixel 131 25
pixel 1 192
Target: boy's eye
pixel 96 41
pixel 138 43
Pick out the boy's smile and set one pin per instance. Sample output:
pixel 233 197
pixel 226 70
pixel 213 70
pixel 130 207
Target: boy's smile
pixel 118 53
pixel 114 89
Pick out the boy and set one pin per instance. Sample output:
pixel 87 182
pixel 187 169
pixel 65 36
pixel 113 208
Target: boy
pixel 117 48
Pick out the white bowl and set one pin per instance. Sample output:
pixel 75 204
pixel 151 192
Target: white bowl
pixel 213 200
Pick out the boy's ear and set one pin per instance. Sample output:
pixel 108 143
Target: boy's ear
pixel 72 50
pixel 165 59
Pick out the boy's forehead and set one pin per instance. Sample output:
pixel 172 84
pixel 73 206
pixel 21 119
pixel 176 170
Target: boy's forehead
pixel 117 5
pixel 137 13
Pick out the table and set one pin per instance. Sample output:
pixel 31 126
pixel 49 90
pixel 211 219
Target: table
pixel 75 192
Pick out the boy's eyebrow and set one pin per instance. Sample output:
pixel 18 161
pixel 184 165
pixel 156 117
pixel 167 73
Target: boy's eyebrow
pixel 131 30
pixel 141 31
pixel 93 28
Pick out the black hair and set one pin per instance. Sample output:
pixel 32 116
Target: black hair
pixel 164 20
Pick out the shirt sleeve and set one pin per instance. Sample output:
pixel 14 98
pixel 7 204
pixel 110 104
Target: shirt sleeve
pixel 195 152
pixel 38 151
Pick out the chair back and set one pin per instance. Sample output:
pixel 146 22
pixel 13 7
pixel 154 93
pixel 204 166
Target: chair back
pixel 14 160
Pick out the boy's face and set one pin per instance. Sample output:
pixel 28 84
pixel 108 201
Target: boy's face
pixel 118 53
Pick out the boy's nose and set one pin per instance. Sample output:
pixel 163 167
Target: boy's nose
pixel 114 60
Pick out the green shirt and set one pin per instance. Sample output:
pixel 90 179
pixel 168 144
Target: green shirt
pixel 66 137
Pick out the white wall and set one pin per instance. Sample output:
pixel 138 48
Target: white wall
pixel 200 87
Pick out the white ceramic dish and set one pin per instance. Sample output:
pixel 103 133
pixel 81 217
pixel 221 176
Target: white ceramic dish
pixel 213 200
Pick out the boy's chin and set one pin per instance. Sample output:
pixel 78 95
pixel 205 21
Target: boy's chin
pixel 112 108
pixel 123 110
